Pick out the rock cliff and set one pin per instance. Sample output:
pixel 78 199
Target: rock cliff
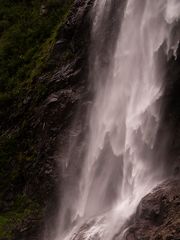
pixel 36 125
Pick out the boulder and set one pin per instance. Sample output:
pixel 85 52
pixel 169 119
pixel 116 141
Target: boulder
pixel 158 214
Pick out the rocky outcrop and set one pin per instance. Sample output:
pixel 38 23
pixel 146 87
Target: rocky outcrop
pixel 171 119
pixel 158 214
pixel 157 217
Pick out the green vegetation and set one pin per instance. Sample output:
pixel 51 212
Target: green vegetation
pixel 26 39
pixel 28 31
pixel 23 209
pixel 21 206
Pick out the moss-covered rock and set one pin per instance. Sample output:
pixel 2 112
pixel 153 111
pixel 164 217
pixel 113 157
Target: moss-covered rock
pixel 27 39
pixel 23 214
pixel 42 84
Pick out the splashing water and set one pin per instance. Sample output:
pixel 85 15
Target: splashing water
pixel 120 164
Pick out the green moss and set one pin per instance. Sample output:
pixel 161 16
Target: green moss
pixel 5 98
pixel 8 167
pixel 4 233
pixel 25 47
pixel 28 38
pixel 23 209
pixel 26 42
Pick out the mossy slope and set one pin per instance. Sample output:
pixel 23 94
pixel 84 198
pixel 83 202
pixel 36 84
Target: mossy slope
pixel 28 31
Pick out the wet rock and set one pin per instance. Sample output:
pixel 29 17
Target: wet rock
pixel 52 98
pixel 158 214
pixel 130 236
pixel 84 232
pixel 30 229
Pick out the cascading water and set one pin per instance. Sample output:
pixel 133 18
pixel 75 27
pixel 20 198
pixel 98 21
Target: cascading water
pixel 129 39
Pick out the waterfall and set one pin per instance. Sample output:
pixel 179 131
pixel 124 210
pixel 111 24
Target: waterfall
pixel 130 40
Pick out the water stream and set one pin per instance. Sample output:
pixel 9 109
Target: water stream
pixel 130 40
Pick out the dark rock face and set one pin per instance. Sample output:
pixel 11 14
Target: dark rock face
pixel 44 122
pixel 168 140
pixel 158 214
pixel 52 119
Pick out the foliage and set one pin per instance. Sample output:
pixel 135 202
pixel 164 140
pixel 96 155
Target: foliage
pixel 26 39
pixel 23 209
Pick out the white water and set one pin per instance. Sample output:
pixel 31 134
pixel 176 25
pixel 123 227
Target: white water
pixel 120 165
